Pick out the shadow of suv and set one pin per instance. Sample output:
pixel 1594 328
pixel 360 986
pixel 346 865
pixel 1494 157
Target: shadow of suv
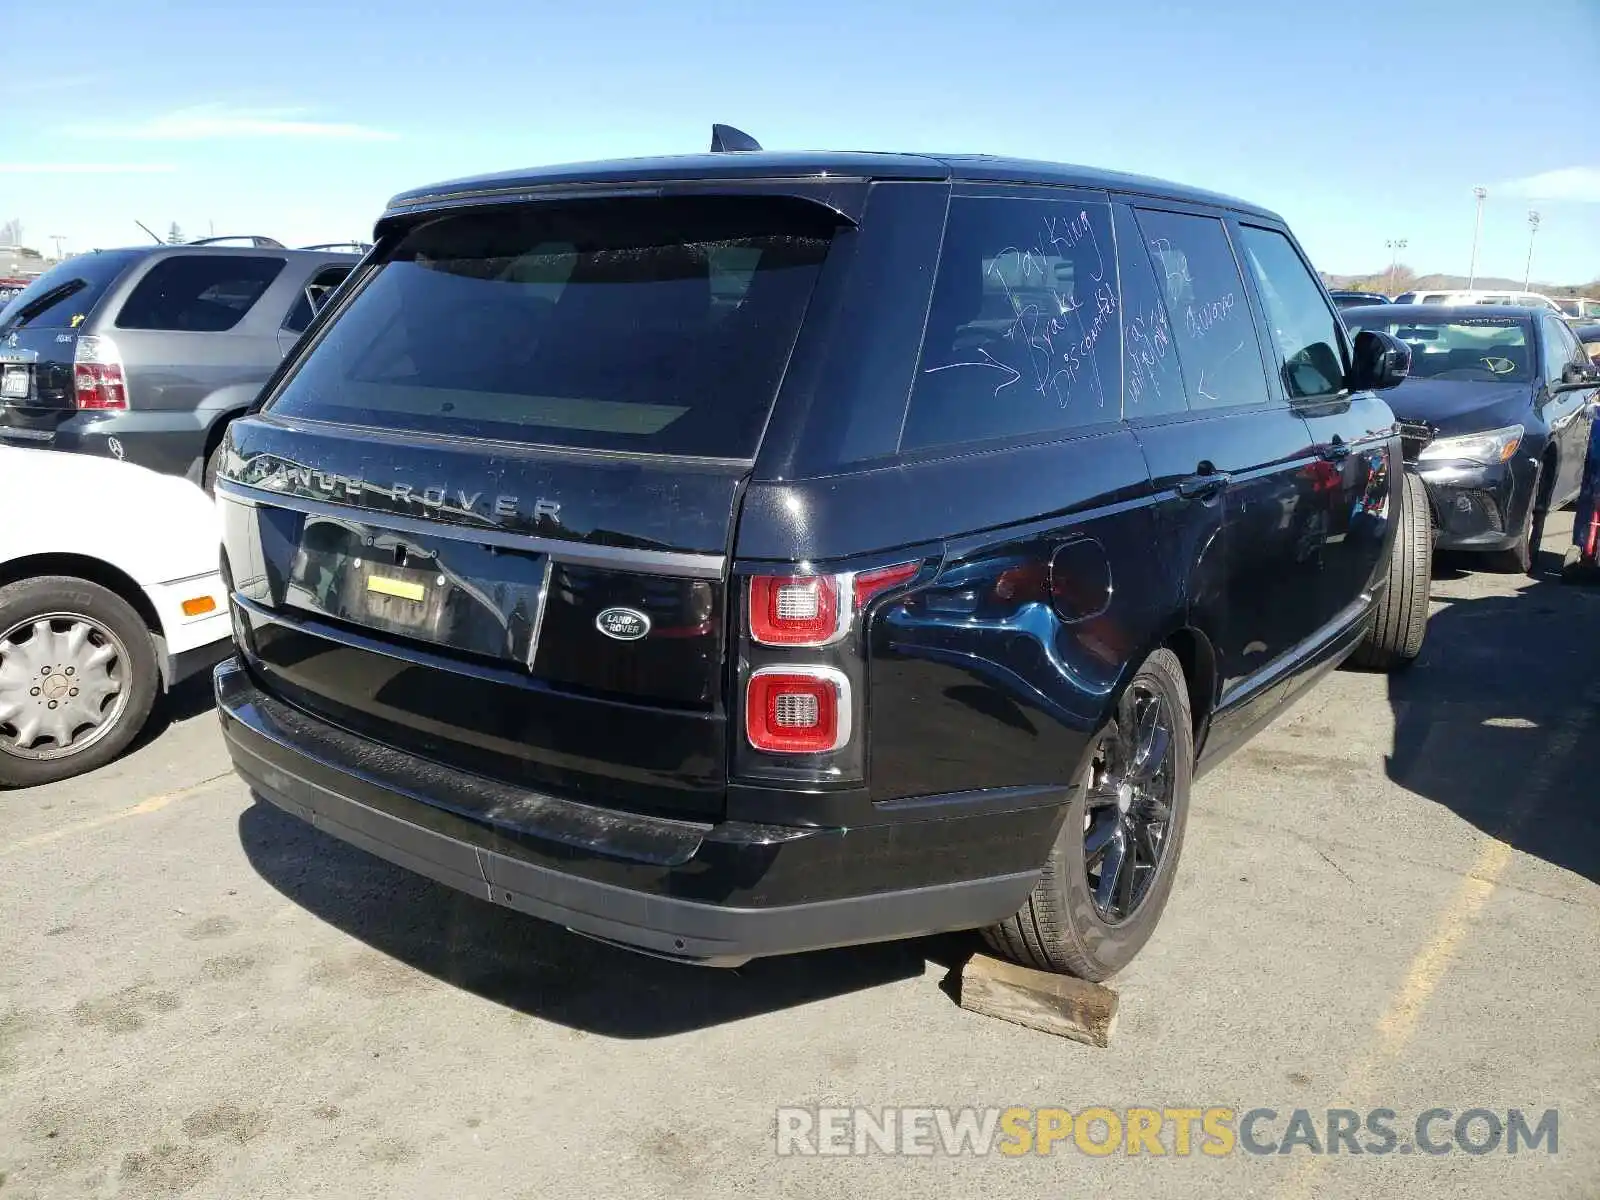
pixel 747 553
pixel 146 354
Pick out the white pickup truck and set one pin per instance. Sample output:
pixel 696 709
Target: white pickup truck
pixel 109 594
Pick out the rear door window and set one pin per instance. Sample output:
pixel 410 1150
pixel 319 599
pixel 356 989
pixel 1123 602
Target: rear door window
pixel 1152 377
pixel 1024 330
pixel 197 293
pixel 312 296
pixel 657 325
pixel 1309 352
pixel 1207 308
pixel 65 295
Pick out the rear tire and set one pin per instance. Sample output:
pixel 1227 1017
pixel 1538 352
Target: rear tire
pixel 1401 622
pixel 112 659
pixel 1063 927
pixel 208 475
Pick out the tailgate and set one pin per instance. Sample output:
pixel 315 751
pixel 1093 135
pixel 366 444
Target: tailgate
pixel 550 621
pixel 36 392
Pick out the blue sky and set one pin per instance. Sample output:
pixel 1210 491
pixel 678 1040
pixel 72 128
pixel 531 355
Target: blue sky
pixel 1359 122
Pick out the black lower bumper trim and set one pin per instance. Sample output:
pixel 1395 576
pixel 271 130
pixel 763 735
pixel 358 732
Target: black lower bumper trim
pixel 641 917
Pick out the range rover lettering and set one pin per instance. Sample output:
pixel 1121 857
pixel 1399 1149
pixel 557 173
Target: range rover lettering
pixel 747 553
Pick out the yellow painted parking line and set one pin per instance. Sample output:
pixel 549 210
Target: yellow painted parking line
pixel 1395 1027
pixel 143 808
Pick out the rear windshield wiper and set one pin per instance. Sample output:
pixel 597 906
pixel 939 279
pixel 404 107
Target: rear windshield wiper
pixel 42 303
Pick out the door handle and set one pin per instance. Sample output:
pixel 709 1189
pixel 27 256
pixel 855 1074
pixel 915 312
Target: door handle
pixel 1203 485
pixel 1335 451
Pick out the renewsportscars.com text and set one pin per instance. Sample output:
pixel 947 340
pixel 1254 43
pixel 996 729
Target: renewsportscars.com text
pixel 1180 1132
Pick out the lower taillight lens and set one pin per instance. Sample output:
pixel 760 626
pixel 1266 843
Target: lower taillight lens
pixel 97 378
pixel 798 710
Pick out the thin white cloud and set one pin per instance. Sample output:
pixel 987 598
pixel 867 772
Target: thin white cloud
pixel 212 122
pixel 1580 184
pixel 84 168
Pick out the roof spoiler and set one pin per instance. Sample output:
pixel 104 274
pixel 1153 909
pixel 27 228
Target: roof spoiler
pixel 725 139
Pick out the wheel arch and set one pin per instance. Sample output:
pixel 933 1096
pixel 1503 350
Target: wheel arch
pixel 95 570
pixel 1197 657
pixel 1549 467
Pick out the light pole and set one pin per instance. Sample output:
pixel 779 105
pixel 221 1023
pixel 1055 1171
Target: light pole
pixel 1395 245
pixel 58 238
pixel 1477 228
pixel 1533 228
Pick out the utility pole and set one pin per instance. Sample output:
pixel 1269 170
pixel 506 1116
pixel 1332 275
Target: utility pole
pixel 1533 228
pixel 58 238
pixel 1477 228
pixel 1395 246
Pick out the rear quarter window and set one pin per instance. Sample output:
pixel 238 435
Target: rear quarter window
pixel 659 325
pixel 1024 332
pixel 198 293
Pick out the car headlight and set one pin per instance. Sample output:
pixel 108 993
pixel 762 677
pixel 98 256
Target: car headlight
pixel 1488 448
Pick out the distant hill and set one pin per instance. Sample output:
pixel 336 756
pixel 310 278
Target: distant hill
pixel 1405 281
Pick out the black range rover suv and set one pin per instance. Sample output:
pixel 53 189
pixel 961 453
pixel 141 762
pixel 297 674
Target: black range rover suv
pixel 747 553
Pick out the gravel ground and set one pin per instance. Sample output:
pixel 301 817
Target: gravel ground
pixel 1389 899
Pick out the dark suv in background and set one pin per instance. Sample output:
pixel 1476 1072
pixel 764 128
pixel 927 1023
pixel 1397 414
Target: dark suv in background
pixel 748 553
pixel 147 353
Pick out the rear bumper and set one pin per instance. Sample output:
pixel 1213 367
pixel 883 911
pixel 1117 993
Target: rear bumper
pixel 172 443
pixel 714 893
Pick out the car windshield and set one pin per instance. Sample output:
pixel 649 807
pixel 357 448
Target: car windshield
pixel 1468 349
pixel 65 294
pixel 660 326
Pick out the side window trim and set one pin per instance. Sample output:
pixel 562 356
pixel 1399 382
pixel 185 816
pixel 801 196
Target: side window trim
pixel 1225 219
pixel 1258 307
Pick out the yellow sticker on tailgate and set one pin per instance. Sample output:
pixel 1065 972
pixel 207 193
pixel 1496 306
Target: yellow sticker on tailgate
pixel 396 587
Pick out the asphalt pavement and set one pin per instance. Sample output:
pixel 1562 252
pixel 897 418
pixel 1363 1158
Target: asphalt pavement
pixel 1387 900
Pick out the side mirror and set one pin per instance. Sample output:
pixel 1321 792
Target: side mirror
pixel 1380 361
pixel 1574 378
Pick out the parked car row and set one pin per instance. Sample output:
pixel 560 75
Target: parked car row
pixel 146 354
pixel 746 553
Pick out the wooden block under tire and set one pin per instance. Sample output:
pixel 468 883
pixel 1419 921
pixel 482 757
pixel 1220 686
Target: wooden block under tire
pixel 1060 1004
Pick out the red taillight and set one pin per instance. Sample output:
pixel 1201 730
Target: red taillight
pixel 869 583
pixel 801 610
pixel 815 610
pixel 798 710
pixel 97 380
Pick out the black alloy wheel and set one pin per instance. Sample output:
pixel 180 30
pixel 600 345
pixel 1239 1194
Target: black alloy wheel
pixel 1129 805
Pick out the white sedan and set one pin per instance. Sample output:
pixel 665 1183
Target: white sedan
pixel 109 593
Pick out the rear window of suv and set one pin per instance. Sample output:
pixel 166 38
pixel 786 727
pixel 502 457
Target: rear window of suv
pixel 660 325
pixel 67 290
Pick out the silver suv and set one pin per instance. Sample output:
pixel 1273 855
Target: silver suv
pixel 146 354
